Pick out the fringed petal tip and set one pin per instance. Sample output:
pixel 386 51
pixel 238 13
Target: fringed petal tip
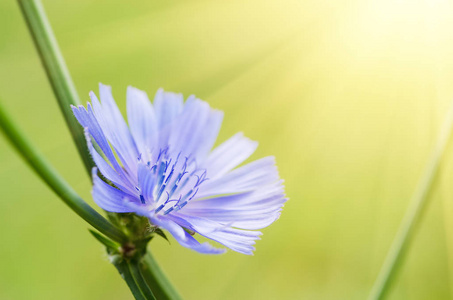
pixel 76 108
pixel 94 170
pixel 104 86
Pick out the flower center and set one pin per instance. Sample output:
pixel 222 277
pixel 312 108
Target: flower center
pixel 169 183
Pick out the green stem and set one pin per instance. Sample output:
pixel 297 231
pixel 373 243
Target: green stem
pixel 55 181
pixel 141 283
pixel 57 72
pixel 413 215
pixel 157 280
pixel 123 268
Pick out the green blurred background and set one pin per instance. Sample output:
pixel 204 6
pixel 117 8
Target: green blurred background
pixel 348 95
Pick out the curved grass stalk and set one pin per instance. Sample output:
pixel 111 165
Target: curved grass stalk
pixel 35 159
pixel 56 71
pixel 413 215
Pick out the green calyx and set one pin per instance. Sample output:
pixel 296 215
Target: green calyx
pixel 139 231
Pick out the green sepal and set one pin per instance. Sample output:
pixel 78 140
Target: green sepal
pixel 162 234
pixel 112 247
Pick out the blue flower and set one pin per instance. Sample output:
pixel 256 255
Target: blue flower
pixel 161 166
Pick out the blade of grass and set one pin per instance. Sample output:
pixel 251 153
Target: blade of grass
pixel 413 216
pixel 57 72
pixel 38 163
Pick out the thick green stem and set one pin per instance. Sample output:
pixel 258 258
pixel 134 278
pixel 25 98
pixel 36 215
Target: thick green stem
pixel 55 181
pixel 56 70
pixel 413 215
pixel 141 283
pixel 123 268
pixel 157 280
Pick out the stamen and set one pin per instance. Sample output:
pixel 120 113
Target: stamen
pixel 161 190
pixel 161 173
pixel 193 195
pixel 159 208
pixel 182 205
pixel 187 195
pixel 168 210
pixel 167 163
pixel 164 176
pixel 175 186
pixel 202 178
pixel 178 207
pixel 162 205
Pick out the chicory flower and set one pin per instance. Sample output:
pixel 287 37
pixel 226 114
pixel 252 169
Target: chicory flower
pixel 160 165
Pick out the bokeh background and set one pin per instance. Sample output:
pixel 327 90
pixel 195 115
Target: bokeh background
pixel 348 95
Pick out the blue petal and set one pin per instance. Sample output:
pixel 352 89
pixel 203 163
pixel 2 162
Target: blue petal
pixel 110 198
pixel 183 237
pixel 243 219
pixel 87 119
pixel 115 128
pixel 258 199
pixel 238 240
pixel 250 177
pixel 167 106
pixel 111 174
pixel 146 182
pixel 229 155
pixel 248 210
pixel 208 136
pixel 196 129
pixel 235 240
pixel 142 121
